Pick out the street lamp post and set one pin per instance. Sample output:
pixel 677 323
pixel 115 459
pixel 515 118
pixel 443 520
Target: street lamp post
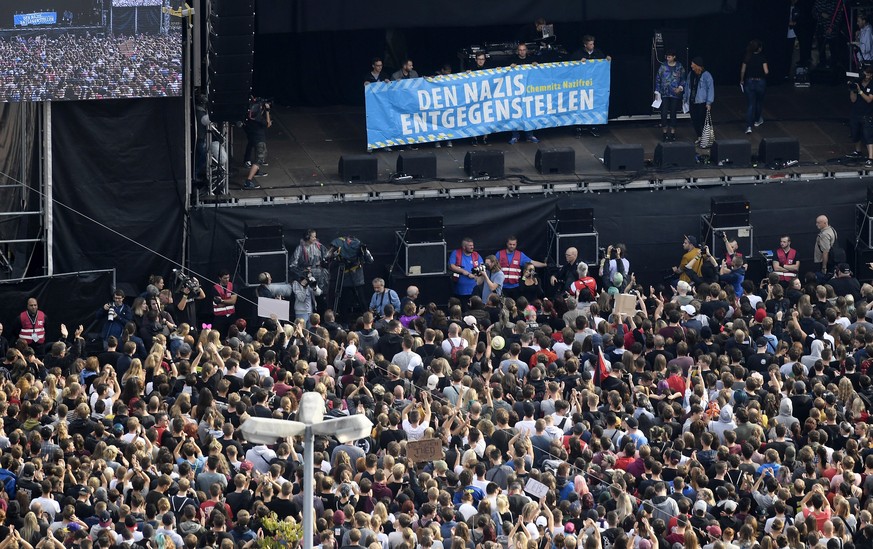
pixel 261 430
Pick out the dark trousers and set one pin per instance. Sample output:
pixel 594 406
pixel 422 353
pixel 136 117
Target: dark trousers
pixel 669 110
pixel 698 117
pixel 754 89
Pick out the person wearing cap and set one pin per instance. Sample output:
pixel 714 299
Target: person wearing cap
pixel 844 283
pixel 104 522
pixel 631 426
pixel 690 261
pixel 689 318
pixel 699 95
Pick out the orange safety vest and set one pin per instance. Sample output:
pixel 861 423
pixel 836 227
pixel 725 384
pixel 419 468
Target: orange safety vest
pixel 511 267
pixel 222 309
pixel 32 332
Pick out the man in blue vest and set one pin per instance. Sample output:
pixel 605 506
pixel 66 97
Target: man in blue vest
pixel 512 262
pixel 462 263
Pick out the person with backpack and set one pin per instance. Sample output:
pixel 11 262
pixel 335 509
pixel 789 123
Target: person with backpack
pixel 454 344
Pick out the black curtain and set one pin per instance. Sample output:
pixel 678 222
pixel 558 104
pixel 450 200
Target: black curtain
pixel 120 164
pixel 651 224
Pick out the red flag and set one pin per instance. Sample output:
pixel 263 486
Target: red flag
pixel 601 366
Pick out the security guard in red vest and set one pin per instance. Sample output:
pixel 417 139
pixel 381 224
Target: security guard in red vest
pixel 512 262
pixel 32 322
pixel 223 303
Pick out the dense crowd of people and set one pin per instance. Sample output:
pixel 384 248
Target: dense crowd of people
pixel 87 66
pixel 713 414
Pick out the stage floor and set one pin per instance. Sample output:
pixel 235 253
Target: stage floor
pixel 305 145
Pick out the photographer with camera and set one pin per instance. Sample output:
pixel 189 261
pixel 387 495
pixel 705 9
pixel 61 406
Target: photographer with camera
pixel 861 116
pixel 256 133
pixel 462 262
pixel 490 276
pixel 115 314
pixel 305 291
pixel 310 257
pixel 382 297
pixel 613 261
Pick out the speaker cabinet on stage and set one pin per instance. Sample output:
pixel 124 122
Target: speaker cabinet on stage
pixel 623 158
pixel 358 167
pixel 275 263
pixel 729 211
pixel 678 154
pixel 230 59
pixel 556 160
pixel 484 163
pixel 421 165
pixel 735 153
pixel 778 149
pixel 266 236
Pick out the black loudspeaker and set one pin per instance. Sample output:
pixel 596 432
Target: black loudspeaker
pixel 230 59
pixel 778 149
pixel 729 211
pixel 424 228
pixel 264 236
pixel 421 165
pixel 358 167
pixel 556 160
pixel 756 269
pixel 623 158
pixel 735 153
pixel 574 220
pixel 273 262
pixel 484 163
pixel 678 154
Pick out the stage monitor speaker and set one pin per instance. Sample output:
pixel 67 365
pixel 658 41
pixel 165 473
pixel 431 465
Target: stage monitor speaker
pixel 484 163
pixel 623 158
pixel 678 154
pixel 420 165
pixel 556 160
pixel 729 211
pixel 736 153
pixel 778 149
pixel 358 167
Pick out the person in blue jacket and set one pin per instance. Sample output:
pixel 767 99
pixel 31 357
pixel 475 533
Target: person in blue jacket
pixel 699 94
pixel 670 85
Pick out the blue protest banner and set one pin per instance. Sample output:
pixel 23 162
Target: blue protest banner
pixel 454 106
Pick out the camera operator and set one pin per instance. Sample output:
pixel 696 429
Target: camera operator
pixel 223 303
pixel 310 256
pixel 709 268
pixel 490 276
pixel 861 117
pixel 115 314
pixel 188 292
pixel 613 261
pixel 256 133
pixel 305 291
pixel 352 255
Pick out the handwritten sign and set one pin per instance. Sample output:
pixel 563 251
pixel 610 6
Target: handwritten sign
pixel 536 488
pixel 427 449
pixel 625 303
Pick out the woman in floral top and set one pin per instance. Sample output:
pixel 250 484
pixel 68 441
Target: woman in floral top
pixel 669 83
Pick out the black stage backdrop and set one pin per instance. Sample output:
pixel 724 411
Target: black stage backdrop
pixel 652 224
pixel 279 16
pixel 122 164
pixel 321 61
pixel 70 299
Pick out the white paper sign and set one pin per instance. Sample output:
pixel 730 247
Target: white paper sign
pixel 536 488
pixel 278 307
pixel 656 104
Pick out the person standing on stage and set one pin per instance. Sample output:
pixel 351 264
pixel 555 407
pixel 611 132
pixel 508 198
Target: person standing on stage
pixel 670 84
pixel 463 262
pixel 522 58
pixel 753 80
pixel 309 258
pixel 512 262
pixel 699 95
pixel 256 133
pixel 588 52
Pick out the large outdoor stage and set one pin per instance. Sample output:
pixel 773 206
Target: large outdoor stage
pixel 305 146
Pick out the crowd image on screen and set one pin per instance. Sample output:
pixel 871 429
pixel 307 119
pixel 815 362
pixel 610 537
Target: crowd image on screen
pixel 87 66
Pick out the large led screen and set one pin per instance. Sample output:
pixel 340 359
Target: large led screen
pixel 62 50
